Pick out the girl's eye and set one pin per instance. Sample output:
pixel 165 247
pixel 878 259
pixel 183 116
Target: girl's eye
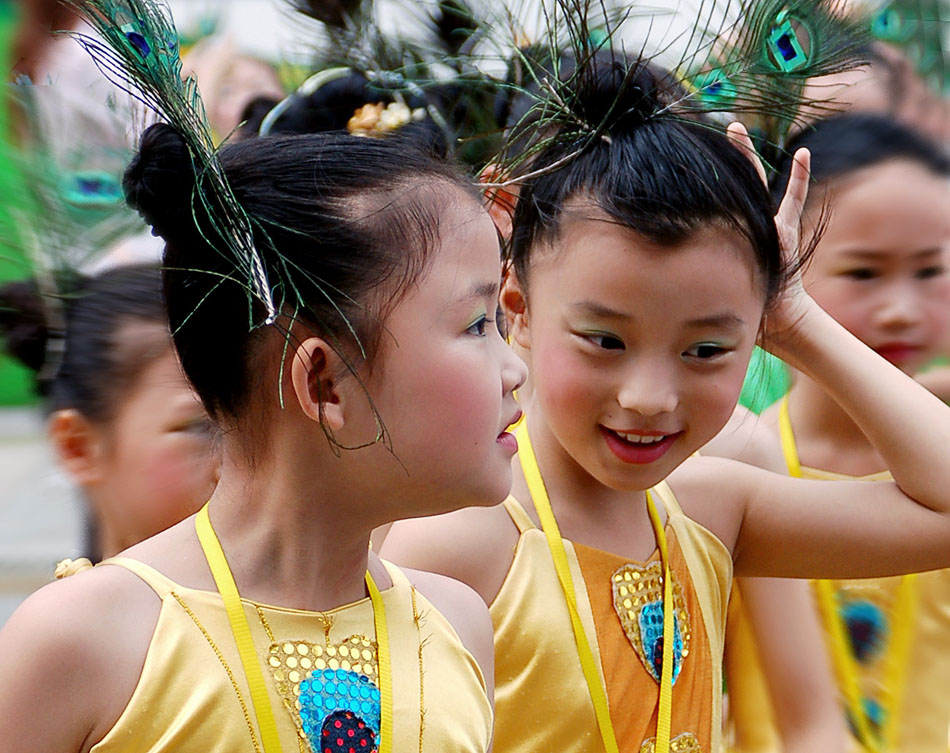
pixel 606 342
pixel 706 351
pixel 863 273
pixel 928 273
pixel 479 327
pixel 200 427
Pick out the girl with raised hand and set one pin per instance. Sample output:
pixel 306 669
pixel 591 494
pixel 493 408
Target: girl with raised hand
pixel 644 262
pixel 124 423
pixel 332 300
pixel 880 269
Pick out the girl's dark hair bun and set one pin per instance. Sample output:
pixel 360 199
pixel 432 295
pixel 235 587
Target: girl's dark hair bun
pixel 617 93
pixel 23 323
pixel 160 180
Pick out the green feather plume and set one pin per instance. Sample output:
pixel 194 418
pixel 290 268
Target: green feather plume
pixel 748 61
pixel 141 56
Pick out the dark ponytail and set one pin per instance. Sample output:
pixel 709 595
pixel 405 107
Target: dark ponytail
pixel 88 366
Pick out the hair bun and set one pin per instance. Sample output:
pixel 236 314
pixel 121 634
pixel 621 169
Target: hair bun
pixel 23 323
pixel 617 93
pixel 160 180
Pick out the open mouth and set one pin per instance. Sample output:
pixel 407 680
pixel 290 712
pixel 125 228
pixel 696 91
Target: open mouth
pixel 637 448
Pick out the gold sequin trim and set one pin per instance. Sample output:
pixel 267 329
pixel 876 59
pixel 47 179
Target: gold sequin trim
pixel 227 669
pixel 291 661
pixel 417 618
pixel 685 743
pixel 633 588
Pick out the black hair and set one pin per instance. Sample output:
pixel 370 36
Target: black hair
pixel 660 174
pixel 846 143
pixel 87 365
pixel 334 103
pixel 343 224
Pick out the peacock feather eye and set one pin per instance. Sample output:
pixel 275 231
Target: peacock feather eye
pixel 715 88
pixel 889 25
pixel 786 43
pixel 91 188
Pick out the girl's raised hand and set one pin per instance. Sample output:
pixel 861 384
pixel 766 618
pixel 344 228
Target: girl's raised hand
pixel 781 321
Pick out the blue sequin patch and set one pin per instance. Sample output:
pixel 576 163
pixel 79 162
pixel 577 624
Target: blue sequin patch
pixel 651 634
pixel 867 628
pixel 329 691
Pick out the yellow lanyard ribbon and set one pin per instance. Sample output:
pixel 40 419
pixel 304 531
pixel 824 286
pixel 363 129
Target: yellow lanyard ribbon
pixel 846 664
pixel 598 696
pixel 241 630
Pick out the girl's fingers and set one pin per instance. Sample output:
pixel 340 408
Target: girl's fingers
pixel 740 139
pixel 793 203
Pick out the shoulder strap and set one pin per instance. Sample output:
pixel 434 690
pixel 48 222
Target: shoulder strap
pixel 666 496
pixel 518 515
pixel 788 440
pixel 160 584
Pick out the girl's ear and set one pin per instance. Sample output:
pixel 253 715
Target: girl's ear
pixel 515 304
pixel 500 202
pixel 315 372
pixel 78 445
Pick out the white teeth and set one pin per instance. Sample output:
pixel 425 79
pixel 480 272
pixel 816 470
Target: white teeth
pixel 640 438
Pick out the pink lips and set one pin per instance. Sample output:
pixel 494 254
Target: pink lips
pixel 898 352
pixel 507 439
pixel 638 454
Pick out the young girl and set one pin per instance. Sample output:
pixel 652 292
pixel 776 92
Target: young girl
pixel 642 266
pixel 880 270
pixel 124 424
pixel 263 622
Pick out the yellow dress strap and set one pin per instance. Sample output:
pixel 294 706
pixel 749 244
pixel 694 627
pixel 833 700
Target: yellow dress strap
pixel 223 578
pixel 788 440
pixel 518 515
pixel 160 584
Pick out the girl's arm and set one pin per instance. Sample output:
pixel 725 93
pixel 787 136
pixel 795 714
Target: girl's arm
pixel 792 527
pixel 70 658
pixel 794 661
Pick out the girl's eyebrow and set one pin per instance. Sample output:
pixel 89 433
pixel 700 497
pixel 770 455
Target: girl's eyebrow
pixel 598 309
pixel 481 290
pixel 873 254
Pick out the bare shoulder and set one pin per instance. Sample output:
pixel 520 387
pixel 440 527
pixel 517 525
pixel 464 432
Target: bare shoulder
pixel 712 491
pixel 751 439
pixel 475 545
pixel 91 630
pixel 465 611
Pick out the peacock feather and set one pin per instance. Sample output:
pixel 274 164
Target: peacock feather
pixel 72 211
pixel 920 29
pixel 139 53
pixel 746 61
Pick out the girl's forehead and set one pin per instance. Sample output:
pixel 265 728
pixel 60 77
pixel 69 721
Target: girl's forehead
pixel 602 263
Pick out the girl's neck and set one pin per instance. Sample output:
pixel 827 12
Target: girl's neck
pixel 826 437
pixel 587 511
pixel 290 541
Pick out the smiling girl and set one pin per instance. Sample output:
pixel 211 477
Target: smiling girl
pixel 643 267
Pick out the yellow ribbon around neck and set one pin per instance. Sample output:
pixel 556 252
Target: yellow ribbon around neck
pixel 598 695
pixel 903 617
pixel 241 630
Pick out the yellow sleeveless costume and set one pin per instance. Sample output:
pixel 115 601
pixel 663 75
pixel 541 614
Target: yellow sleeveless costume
pixel 541 696
pixel 320 670
pixel 892 635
